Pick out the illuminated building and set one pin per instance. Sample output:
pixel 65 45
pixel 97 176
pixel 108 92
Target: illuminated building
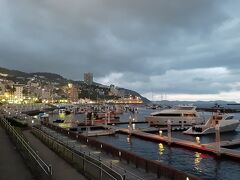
pixel 72 93
pixel 45 94
pixel 2 88
pixel 18 93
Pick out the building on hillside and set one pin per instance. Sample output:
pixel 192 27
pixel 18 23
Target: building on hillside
pixel 18 93
pixel 72 93
pixel 2 88
pixel 88 78
pixel 46 94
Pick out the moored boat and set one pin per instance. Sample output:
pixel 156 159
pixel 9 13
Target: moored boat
pixel 178 116
pixel 226 123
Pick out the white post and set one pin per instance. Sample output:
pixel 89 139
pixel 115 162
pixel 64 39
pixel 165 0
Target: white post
pixel 218 140
pixel 106 116
pixel 86 117
pixel 109 116
pixel 182 125
pixel 160 133
pixel 92 119
pixel 130 124
pixel 198 140
pixel 169 131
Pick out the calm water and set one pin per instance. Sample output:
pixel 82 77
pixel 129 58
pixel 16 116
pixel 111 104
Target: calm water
pixel 189 161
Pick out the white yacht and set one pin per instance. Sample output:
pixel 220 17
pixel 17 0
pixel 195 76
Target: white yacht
pixel 179 116
pixel 226 123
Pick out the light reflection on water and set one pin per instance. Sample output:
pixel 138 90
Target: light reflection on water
pixel 189 161
pixel 197 163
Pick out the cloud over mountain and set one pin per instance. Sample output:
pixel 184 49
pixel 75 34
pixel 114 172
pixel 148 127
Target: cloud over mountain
pixel 175 47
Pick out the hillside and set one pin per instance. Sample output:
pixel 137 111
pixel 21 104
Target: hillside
pixel 92 91
pixel 201 104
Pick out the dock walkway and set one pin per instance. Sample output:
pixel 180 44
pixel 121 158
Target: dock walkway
pixel 229 143
pixel 12 166
pixel 206 148
pixel 61 169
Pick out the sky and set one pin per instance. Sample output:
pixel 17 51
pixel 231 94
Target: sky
pixel 163 49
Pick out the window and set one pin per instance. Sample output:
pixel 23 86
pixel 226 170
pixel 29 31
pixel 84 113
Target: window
pixel 229 118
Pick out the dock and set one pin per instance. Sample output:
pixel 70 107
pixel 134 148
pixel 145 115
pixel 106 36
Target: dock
pixel 210 148
pixel 98 133
pixel 143 168
pixel 229 143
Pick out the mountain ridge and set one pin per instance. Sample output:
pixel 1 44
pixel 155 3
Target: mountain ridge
pixel 21 77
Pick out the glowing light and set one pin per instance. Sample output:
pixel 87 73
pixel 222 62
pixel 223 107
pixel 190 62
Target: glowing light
pixel 197 161
pixel 160 133
pixel 198 140
pixel 161 148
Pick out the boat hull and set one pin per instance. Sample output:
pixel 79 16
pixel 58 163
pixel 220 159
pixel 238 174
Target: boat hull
pixel 175 121
pixel 211 130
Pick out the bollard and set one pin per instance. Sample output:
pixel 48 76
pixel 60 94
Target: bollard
pixel 198 140
pixel 120 154
pixel 160 133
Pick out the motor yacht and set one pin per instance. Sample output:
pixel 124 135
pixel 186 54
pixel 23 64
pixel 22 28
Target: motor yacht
pixel 179 116
pixel 226 123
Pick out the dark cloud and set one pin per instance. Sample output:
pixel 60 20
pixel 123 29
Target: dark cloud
pixel 138 39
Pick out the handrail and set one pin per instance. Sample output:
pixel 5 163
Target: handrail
pixel 107 164
pixel 85 155
pixel 149 165
pixel 46 168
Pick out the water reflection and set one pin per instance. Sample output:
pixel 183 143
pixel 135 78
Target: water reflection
pixel 197 161
pixel 129 141
pixel 62 115
pixel 161 148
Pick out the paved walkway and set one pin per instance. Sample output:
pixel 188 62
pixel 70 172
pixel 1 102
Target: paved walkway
pixel 61 169
pixel 12 166
pixel 119 166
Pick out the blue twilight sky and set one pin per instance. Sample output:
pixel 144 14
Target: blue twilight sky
pixel 170 49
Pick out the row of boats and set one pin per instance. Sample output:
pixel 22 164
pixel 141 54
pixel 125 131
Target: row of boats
pixel 188 116
pixel 180 116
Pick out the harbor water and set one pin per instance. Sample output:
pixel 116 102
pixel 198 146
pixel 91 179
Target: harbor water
pixel 200 164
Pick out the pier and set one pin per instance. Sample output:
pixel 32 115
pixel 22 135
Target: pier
pixel 210 148
pixel 230 143
pixel 143 168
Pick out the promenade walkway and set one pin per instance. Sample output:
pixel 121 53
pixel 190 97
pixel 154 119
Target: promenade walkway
pixel 120 166
pixel 12 166
pixel 61 169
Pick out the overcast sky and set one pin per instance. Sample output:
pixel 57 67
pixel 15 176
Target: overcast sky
pixel 164 49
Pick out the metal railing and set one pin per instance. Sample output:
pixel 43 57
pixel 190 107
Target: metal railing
pixel 161 170
pixel 89 166
pixel 40 170
pixel 126 173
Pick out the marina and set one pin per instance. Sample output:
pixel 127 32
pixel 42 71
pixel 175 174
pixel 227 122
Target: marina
pixel 207 153
pixel 154 143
